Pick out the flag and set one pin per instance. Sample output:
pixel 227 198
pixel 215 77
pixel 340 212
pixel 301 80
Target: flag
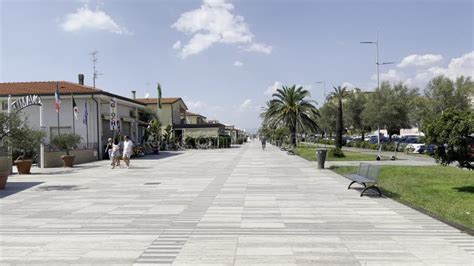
pixel 86 114
pixel 159 95
pixel 57 99
pixel 75 108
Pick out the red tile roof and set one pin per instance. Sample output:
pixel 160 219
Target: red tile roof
pixel 44 88
pixel 155 100
pixel 49 88
pixel 193 114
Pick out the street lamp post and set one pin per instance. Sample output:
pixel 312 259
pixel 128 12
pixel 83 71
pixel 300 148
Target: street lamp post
pixel 377 64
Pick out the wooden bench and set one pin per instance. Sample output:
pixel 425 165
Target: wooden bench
pixel 367 176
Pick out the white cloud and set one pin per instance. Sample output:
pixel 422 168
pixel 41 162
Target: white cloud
pixel 420 75
pixel 87 19
pixel 273 88
pixel 238 64
pixel 259 47
pixel 246 104
pixel 213 22
pixel 415 60
pixel 177 45
pixel 348 85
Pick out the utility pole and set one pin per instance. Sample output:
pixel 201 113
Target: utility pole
pixel 94 62
pixel 377 65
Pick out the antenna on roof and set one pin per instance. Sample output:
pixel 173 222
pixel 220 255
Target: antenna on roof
pixel 94 61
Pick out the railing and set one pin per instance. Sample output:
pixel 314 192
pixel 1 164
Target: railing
pixel 3 150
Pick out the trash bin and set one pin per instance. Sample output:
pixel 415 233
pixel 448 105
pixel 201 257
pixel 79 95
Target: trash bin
pixel 321 157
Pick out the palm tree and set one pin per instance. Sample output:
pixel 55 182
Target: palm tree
pixel 289 107
pixel 339 94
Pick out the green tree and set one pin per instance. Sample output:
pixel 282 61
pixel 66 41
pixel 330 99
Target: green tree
pixel 388 107
pixel 450 133
pixel 327 119
pixel 444 94
pixel 10 124
pixel 27 141
pixel 419 109
pixel 353 109
pixel 15 131
pixel 66 142
pixel 339 95
pixel 290 107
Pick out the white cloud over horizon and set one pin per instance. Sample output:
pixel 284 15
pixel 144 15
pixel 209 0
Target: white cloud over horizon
pixel 273 88
pixel 86 19
pixel 238 64
pixel 213 22
pixel 415 60
pixel 348 85
pixel 418 70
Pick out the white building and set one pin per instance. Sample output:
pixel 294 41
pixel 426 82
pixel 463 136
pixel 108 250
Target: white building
pixel 95 133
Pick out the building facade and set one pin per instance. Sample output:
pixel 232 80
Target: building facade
pixel 94 128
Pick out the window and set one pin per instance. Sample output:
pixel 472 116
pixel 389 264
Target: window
pixel 4 105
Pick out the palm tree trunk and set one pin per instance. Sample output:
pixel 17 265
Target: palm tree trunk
pixel 293 136
pixel 339 125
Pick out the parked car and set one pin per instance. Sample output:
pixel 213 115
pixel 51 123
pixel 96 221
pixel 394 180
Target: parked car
pixel 430 149
pixel 415 148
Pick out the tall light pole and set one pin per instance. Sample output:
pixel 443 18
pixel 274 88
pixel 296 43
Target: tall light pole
pixel 377 64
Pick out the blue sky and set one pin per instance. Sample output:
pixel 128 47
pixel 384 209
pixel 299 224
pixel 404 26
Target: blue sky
pixel 231 54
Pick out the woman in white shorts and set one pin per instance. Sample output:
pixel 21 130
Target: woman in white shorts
pixel 127 150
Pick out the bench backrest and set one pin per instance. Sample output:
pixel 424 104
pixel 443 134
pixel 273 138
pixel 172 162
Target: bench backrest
pixel 363 169
pixel 369 171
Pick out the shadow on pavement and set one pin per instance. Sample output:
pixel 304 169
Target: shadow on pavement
pixel 161 155
pixel 15 187
pixel 59 188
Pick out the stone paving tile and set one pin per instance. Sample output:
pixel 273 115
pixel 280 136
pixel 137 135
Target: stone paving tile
pixel 240 206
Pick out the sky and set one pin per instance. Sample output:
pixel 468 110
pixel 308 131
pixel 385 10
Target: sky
pixel 226 57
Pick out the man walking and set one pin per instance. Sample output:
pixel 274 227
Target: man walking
pixel 127 151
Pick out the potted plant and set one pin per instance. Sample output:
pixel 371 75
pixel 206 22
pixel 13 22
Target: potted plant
pixel 25 142
pixel 9 126
pixel 66 142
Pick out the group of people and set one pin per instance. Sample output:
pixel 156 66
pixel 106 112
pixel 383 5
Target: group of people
pixel 119 150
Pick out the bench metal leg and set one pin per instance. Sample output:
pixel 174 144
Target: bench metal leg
pixel 371 187
pixel 349 187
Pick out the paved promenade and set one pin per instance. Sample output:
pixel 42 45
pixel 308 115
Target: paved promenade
pixel 240 206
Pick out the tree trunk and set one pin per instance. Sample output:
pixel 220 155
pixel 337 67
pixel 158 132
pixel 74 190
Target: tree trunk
pixel 362 135
pixel 293 136
pixel 339 125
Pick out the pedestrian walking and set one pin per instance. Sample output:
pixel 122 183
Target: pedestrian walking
pixel 115 154
pixel 127 151
pixel 108 150
pixel 264 143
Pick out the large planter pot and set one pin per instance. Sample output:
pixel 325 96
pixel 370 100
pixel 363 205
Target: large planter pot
pixel 68 160
pixel 24 166
pixel 3 179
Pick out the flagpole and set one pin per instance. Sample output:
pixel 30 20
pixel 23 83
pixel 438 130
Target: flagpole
pixel 86 117
pixel 73 116
pixel 58 110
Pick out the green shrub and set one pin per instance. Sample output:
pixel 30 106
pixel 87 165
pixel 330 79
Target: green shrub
pixel 190 142
pixel 336 152
pixel 66 142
